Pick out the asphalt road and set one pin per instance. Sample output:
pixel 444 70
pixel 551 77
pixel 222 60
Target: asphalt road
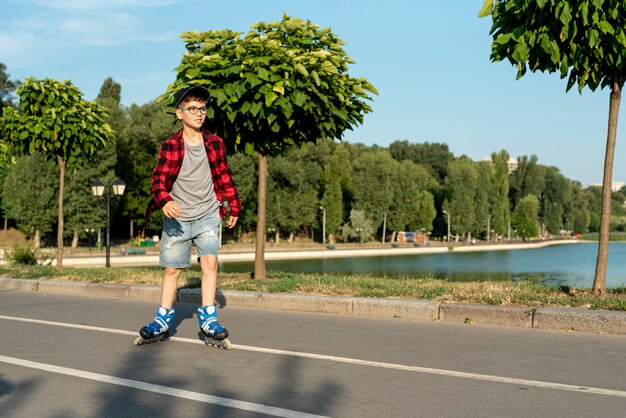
pixel 69 356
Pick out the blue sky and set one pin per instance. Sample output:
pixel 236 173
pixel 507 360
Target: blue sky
pixel 429 61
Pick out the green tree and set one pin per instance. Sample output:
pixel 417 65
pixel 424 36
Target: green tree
pixel 7 87
pixel 583 40
pixel 482 198
pixel 360 226
pixel 292 203
pixel 577 212
pixel 83 211
pixel 284 84
pixel 461 183
pixel 336 188
pixel 556 197
pixel 499 202
pixel 412 206
pixel 28 194
pixel 54 119
pixel 373 178
pixel 527 179
pixel 435 157
pixel 245 167
pixel 524 217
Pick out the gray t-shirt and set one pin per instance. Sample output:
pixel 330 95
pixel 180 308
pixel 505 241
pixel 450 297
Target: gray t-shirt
pixel 193 189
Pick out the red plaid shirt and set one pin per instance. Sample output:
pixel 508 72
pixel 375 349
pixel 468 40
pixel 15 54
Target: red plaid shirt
pixel 171 160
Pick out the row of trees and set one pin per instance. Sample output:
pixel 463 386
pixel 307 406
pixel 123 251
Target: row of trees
pixel 286 83
pixel 361 189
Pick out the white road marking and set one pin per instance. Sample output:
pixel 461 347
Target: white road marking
pixel 367 363
pixel 164 390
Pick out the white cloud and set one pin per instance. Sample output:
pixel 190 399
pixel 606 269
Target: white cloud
pixel 61 27
pixel 100 5
pixel 102 29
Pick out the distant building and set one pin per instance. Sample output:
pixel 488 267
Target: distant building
pixel 616 186
pixel 512 163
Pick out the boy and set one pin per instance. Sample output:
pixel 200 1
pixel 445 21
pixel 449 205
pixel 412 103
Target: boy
pixel 189 182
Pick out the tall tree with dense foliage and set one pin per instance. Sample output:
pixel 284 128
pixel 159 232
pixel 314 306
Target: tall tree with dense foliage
pixel 434 156
pixel 583 40
pixel 524 217
pixel 284 84
pixel 461 183
pixel 482 198
pixel 82 211
pixel 292 204
pixel 28 194
pixel 412 206
pixel 499 202
pixel 374 167
pixel 246 168
pixel 53 119
pixel 556 195
pixel 577 210
pixel 336 186
pixel 7 87
pixel 527 179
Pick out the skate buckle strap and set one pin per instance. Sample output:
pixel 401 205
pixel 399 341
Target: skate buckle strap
pixel 161 322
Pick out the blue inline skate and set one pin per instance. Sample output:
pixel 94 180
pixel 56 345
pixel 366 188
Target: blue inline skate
pixel 158 329
pixel 214 333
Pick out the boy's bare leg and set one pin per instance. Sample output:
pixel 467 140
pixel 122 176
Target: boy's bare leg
pixel 209 279
pixel 168 289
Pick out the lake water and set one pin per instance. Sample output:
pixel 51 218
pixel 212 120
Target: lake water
pixel 572 265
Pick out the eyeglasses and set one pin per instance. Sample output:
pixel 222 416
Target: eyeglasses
pixel 193 110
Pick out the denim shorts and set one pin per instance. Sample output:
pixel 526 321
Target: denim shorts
pixel 178 236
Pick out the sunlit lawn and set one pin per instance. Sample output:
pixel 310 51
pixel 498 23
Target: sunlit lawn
pixel 524 293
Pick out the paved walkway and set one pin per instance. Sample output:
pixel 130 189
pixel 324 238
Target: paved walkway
pixel 233 254
pixel 549 318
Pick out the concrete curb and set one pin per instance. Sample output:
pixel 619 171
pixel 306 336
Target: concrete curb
pixel 549 318
pixel 470 313
pixel 578 319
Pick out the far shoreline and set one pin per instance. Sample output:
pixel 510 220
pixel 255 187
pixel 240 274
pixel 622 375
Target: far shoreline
pixel 391 251
pixel 235 254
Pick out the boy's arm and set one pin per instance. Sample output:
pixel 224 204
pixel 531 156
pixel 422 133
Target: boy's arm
pixel 223 177
pixel 229 191
pixel 227 186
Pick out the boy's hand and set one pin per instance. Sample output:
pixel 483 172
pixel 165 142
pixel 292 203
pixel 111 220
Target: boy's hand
pixel 231 222
pixel 172 210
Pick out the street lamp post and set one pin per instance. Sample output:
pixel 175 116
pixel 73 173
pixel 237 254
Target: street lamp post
pixel 448 224
pixel 323 225
pixel 98 188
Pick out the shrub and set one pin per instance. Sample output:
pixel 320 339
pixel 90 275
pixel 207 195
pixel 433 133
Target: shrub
pixel 23 255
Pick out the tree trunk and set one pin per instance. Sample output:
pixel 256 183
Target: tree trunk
pixel 599 281
pixel 259 256
pixel 60 228
pixel 75 240
pixel 37 240
pixel 132 229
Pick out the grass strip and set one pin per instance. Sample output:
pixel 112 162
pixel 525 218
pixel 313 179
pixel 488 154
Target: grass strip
pixel 523 293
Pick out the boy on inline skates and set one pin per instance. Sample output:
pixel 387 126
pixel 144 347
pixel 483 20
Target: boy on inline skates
pixel 189 183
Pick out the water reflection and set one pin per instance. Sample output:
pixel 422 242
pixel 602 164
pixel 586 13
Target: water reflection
pixel 561 265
